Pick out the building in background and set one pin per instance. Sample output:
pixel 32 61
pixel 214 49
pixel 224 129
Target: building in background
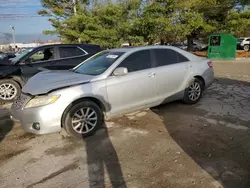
pixel 6 47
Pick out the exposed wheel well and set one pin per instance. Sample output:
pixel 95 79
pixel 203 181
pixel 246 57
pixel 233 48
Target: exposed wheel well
pixel 17 82
pixel 202 80
pixel 95 100
pixel 16 79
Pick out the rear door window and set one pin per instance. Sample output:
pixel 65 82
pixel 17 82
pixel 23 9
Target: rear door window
pixel 137 61
pixel 165 57
pixel 71 51
pixel 181 58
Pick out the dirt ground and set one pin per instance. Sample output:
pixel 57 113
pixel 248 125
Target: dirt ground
pixel 239 54
pixel 169 146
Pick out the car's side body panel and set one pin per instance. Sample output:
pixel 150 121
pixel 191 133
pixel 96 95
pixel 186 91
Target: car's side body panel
pixel 131 90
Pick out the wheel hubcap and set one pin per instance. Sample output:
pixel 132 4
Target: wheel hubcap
pixel 84 120
pixel 194 91
pixel 7 91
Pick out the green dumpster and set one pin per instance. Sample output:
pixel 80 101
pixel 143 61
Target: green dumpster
pixel 222 46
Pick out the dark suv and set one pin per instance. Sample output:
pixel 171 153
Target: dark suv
pixel 15 73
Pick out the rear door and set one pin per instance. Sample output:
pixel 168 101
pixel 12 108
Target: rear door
pixel 171 72
pixel 137 88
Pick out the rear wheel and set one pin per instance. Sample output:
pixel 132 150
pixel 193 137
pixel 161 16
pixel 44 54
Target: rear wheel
pixel 194 92
pixel 246 47
pixel 196 49
pixel 83 119
pixel 9 90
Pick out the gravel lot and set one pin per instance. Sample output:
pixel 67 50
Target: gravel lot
pixel 173 145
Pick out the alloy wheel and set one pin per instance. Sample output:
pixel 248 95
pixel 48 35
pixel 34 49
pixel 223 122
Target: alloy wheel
pixel 84 120
pixel 246 47
pixel 194 91
pixel 7 91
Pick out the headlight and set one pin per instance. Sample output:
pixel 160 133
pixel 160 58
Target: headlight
pixel 42 101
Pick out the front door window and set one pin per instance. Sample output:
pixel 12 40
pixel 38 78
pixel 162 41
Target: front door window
pixel 42 55
pixel 137 61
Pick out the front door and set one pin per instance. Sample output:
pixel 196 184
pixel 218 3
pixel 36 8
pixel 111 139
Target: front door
pixel 37 62
pixel 137 88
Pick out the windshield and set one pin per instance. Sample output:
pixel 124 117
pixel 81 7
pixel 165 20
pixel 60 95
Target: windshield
pixel 16 59
pixel 99 63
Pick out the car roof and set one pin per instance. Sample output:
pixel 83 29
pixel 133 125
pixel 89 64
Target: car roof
pixel 131 49
pixel 134 49
pixel 90 48
pixel 53 45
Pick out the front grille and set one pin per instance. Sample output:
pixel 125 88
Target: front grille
pixel 21 101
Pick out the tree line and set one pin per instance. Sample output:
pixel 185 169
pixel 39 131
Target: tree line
pixel 141 22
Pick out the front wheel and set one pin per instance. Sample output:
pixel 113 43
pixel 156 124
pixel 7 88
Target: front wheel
pixel 246 48
pixel 83 119
pixel 194 92
pixel 9 90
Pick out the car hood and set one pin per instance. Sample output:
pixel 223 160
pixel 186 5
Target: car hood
pixel 47 81
pixel 6 70
pixel 4 62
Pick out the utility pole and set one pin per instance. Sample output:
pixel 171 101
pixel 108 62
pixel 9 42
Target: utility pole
pixel 75 13
pixel 74 2
pixel 13 35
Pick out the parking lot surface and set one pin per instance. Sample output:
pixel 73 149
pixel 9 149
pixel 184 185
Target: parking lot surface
pixel 172 145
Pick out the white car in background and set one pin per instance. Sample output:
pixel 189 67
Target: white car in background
pixel 244 43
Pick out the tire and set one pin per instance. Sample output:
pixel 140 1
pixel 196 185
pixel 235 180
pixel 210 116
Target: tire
pixel 75 112
pixel 196 49
pixel 9 90
pixel 188 97
pixel 246 48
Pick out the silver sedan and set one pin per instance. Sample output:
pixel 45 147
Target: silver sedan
pixel 109 83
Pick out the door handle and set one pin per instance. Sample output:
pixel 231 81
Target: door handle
pixel 188 66
pixel 152 74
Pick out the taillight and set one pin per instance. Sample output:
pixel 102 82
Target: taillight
pixel 210 64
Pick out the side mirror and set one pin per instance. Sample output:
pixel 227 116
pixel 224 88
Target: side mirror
pixel 28 61
pixel 120 71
